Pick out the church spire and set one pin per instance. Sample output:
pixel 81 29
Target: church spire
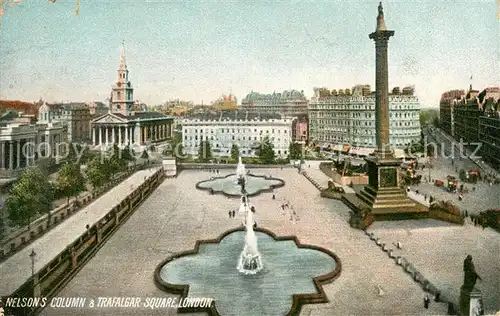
pixel 380 19
pixel 123 64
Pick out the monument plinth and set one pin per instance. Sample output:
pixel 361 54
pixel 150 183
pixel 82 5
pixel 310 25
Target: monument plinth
pixel 384 196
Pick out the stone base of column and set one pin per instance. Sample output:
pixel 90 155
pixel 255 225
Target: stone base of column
pixel 471 302
pixel 383 198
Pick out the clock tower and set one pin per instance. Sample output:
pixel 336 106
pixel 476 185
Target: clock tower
pixel 122 94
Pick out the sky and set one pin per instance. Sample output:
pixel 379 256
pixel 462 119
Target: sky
pixel 199 50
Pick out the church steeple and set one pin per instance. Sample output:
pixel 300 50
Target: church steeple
pixel 122 99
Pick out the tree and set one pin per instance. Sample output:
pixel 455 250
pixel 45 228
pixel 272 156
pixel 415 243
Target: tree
pixel 295 151
pixel 235 152
pixel 31 194
pixel 96 174
pixel 2 224
pixel 266 151
pixel 204 151
pixel 70 181
pixel 127 154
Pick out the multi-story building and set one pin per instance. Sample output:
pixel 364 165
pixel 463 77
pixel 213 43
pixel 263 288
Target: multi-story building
pixel 345 117
pixel 465 116
pixel 23 145
pixel 446 109
pixel 246 130
pixel 289 103
pixel 489 125
pixel 126 124
pixel 97 108
pixel 76 116
pixel 473 117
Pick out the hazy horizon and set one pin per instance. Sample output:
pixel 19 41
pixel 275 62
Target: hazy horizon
pixel 199 51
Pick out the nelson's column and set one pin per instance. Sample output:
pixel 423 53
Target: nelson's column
pixel 383 198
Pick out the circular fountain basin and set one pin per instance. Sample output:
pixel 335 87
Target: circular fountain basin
pixel 211 271
pixel 228 185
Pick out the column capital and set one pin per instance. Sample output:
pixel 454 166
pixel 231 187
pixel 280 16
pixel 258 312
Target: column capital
pixel 381 35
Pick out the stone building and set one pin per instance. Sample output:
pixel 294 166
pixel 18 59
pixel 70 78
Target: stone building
pixel 446 109
pixel 466 111
pixel 97 108
pixel 289 103
pixel 23 145
pixel 489 127
pixel 473 117
pixel 348 117
pixel 75 115
pixel 123 125
pixel 245 129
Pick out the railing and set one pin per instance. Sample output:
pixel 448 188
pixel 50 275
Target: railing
pixel 22 237
pixel 59 271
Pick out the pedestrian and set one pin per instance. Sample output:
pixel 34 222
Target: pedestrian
pixel 233 213
pixel 425 197
pixel 436 297
pixel 466 213
pixel 416 191
pixel 426 301
pixel 274 197
pixel 229 214
pixel 399 245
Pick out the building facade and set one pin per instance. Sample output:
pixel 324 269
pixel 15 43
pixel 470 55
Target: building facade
pixel 472 118
pixel 289 103
pixel 244 129
pixel 124 124
pixel 345 117
pixel 446 109
pixel 76 116
pixel 489 131
pixel 97 108
pixel 24 145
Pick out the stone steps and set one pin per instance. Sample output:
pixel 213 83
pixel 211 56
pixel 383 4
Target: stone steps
pixel 435 308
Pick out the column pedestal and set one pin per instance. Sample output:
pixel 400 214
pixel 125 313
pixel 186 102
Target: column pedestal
pixel 471 302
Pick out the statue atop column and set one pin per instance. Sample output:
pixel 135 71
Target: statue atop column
pixel 470 274
pixel 380 9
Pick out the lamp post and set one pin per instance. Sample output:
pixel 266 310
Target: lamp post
pixel 32 256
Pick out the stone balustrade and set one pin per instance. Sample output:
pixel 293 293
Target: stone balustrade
pixel 54 275
pixel 22 237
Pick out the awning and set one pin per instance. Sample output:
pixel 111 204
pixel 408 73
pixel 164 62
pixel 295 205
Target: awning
pixel 354 151
pixel 399 153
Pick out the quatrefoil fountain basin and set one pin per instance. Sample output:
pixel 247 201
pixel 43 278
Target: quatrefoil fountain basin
pixel 293 274
pixel 228 185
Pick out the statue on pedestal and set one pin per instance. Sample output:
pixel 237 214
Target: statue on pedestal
pixel 470 274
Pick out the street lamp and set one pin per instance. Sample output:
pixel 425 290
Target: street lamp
pixel 32 256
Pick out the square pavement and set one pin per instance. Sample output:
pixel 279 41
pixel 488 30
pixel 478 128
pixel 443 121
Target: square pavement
pixel 177 214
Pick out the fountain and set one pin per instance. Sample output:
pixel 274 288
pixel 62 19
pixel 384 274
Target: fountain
pixel 293 274
pixel 250 261
pixel 240 171
pixel 230 185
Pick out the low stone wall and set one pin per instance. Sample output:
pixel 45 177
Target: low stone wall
pixel 326 168
pixel 53 276
pixel 22 237
pixel 194 165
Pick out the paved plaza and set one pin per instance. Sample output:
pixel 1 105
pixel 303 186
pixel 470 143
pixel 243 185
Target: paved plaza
pixel 177 214
pixel 17 269
pixel 437 250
